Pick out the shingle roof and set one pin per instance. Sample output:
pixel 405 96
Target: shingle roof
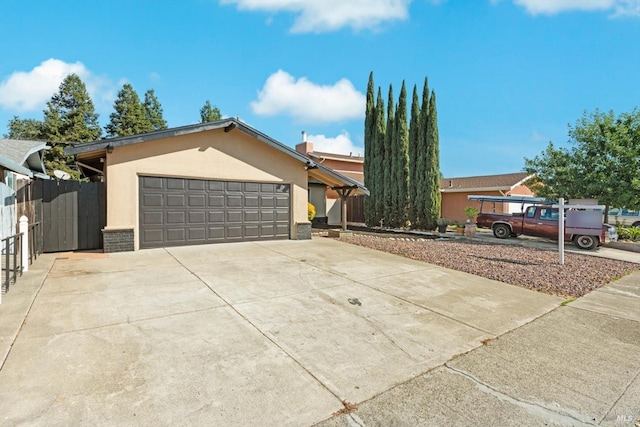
pixel 22 155
pixel 486 182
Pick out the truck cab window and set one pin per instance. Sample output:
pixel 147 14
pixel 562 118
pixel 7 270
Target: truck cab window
pixel 531 212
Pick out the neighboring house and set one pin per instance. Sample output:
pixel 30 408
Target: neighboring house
pixel 20 161
pixel 205 183
pixel 455 191
pixel 327 201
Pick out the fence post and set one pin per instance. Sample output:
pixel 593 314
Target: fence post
pixel 24 248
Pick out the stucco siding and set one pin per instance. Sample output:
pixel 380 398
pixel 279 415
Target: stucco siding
pixel 232 156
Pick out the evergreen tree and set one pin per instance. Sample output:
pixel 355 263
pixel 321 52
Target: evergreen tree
pixel 70 117
pixel 400 161
pixel 421 158
pixel 129 117
pixel 414 128
pixel 379 162
pixel 209 113
pixel 28 129
pixel 388 187
pixel 153 111
pixel 432 171
pixel 369 151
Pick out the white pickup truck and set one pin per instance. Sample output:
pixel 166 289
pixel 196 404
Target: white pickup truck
pixel 626 217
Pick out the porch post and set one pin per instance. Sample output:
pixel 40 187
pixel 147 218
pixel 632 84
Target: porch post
pixel 344 193
pixel 24 245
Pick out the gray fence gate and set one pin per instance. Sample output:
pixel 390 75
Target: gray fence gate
pixel 72 214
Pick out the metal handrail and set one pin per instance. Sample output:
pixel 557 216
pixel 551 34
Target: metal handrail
pixel 12 242
pixel 35 243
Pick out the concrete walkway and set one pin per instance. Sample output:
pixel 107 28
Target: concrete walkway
pixel 293 332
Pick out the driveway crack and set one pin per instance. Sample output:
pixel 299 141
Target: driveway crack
pixel 539 410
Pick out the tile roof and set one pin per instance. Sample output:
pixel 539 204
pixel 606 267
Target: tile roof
pixel 502 182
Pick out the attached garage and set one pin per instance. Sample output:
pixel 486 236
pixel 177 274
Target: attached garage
pixel 183 211
pixel 207 183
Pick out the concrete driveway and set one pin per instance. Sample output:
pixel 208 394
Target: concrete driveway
pixel 269 333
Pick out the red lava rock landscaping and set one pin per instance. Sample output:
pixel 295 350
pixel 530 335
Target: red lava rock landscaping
pixel 530 268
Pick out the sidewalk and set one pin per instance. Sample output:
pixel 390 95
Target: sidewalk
pixel 575 366
pixel 17 302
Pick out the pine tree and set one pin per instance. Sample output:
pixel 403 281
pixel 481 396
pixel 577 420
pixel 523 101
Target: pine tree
pixel 414 128
pixel 129 117
pixel 28 129
pixel 369 151
pixel 388 187
pixel 153 111
pixel 421 158
pixel 400 161
pixel 433 199
pixel 379 162
pixel 209 113
pixel 69 117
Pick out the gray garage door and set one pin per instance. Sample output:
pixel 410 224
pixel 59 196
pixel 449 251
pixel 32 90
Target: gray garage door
pixel 180 211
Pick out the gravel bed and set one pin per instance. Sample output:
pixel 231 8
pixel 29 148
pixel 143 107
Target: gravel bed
pixel 530 268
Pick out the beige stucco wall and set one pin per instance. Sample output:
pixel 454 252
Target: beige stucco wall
pixel 204 155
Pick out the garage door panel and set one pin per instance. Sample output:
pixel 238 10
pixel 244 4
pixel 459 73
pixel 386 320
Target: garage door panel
pixel 153 200
pixel 197 200
pixel 197 217
pixel 197 233
pixel 234 187
pixel 197 184
pixel 176 218
pixel 216 217
pixel 216 201
pixel 183 211
pixel 153 218
pixel 176 235
pixel 176 184
pixel 176 200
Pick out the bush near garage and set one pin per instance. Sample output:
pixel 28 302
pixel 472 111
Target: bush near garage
pixel 629 233
pixel 311 210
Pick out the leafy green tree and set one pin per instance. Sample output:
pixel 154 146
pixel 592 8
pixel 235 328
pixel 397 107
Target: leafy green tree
pixel 414 128
pixel 421 158
pixel 69 117
pixel 379 165
pixel 153 111
pixel 400 161
pixel 209 113
pixel 388 187
pixel 369 150
pixel 432 170
pixel 29 129
pixel 603 161
pixel 129 116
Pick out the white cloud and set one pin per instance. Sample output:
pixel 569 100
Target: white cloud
pixel 309 102
pixel 330 15
pixel 26 91
pixel 552 7
pixel 538 137
pixel 341 144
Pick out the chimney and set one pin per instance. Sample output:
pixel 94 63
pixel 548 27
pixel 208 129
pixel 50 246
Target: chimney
pixel 305 147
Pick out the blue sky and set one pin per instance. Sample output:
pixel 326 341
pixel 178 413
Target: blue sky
pixel 509 75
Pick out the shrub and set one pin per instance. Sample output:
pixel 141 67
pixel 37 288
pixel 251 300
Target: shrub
pixel 471 212
pixel 311 210
pixel 629 233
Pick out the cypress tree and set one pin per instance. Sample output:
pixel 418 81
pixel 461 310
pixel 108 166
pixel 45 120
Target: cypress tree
pixel 432 172
pixel 400 168
pixel 369 152
pixel 421 158
pixel 387 161
pixel 414 127
pixel 209 113
pixel 379 165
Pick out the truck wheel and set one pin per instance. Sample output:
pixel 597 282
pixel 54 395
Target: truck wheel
pixel 586 242
pixel 636 224
pixel 501 231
